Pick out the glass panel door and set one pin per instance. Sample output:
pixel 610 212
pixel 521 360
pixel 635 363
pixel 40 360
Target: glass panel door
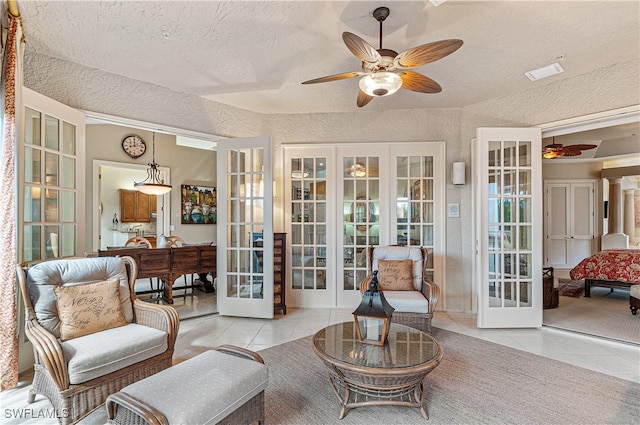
pixel 419 202
pixel 310 219
pixel 341 201
pixel 52 158
pixel 510 227
pixel 363 199
pixel 245 228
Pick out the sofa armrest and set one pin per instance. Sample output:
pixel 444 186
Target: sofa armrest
pixel 240 352
pixel 49 352
pixel 431 292
pixel 162 317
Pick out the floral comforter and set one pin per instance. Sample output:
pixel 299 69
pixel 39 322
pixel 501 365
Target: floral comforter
pixel 611 264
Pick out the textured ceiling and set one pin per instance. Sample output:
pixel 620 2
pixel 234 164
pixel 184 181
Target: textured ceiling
pixel 254 55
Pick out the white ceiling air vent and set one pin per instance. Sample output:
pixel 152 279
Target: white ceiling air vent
pixel 544 72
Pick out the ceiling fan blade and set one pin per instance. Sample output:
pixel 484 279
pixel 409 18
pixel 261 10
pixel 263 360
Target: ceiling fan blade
pixel 580 147
pixel 363 99
pixel 334 77
pixel 417 82
pixel 360 48
pixel 571 152
pixel 427 53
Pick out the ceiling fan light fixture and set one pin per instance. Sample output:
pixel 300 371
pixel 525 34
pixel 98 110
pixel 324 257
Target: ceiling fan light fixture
pixel 551 154
pixel 357 170
pixel 380 84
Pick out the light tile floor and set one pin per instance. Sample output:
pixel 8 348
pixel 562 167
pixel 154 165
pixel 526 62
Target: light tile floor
pixel 613 358
pixel 202 333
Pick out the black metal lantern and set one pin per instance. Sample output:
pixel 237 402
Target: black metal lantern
pixel 373 316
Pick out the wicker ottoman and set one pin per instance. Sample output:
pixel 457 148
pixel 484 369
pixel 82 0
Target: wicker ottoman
pixel 223 386
pixel 634 299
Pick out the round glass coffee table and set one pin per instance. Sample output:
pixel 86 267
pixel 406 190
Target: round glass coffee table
pixel 368 375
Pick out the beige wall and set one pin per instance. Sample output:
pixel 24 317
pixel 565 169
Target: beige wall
pixel 188 166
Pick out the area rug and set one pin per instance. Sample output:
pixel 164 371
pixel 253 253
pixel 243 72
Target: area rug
pixel 571 288
pixel 477 382
pixel 605 314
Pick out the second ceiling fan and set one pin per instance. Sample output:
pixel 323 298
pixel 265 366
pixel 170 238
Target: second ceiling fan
pixel 557 150
pixel 384 70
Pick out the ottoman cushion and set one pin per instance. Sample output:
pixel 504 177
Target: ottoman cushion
pixel 202 390
pixel 634 291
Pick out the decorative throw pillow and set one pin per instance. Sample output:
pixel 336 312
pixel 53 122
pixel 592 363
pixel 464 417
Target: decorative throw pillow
pixel 88 308
pixel 395 275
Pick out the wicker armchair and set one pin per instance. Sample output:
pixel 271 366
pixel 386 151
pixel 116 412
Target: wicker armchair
pixel 414 307
pixel 77 374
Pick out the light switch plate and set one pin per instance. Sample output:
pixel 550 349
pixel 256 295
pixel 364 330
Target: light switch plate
pixel 454 210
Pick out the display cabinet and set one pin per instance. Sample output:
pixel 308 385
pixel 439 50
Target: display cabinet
pixel 279 267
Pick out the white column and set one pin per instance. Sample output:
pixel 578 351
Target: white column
pixel 628 214
pixel 615 238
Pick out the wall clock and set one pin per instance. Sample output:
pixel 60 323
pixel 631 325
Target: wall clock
pixel 134 146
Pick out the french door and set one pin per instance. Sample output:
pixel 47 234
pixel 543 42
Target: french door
pixel 363 215
pixel 245 229
pixel 51 159
pixel 344 199
pixel 310 220
pixel 508 229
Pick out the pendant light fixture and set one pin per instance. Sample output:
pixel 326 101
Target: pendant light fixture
pixel 153 184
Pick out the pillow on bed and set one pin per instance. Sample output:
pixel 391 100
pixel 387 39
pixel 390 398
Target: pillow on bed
pixel 395 275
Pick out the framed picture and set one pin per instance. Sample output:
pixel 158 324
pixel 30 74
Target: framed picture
pixel 198 204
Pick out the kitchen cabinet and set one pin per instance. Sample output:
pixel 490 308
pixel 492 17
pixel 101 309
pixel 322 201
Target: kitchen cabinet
pixel 136 207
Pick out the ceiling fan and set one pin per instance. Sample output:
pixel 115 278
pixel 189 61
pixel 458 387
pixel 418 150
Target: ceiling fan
pixel 383 70
pixel 556 150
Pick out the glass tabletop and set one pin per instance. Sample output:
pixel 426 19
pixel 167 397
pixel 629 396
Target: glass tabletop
pixel 405 347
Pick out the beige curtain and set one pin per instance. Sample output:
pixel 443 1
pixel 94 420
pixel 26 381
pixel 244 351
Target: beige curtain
pixel 11 84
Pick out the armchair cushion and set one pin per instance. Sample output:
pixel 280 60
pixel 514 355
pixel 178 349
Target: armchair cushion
pixel 407 301
pixel 85 309
pixel 44 277
pixel 400 253
pixel 101 353
pixel 395 275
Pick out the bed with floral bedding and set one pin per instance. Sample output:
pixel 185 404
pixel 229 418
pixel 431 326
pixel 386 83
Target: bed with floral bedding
pixel 611 268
